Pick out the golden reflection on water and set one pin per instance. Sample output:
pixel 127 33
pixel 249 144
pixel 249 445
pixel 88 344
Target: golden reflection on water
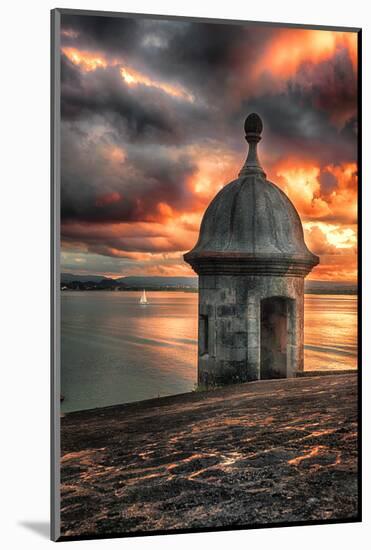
pixel 115 351
pixel 330 332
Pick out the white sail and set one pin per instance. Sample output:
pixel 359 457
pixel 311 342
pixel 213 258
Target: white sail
pixel 143 299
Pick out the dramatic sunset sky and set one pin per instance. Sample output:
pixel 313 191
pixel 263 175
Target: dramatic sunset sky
pixel 152 128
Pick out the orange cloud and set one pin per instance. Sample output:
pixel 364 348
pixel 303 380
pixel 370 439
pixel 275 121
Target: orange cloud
pixel 179 270
pixel 290 48
pixel 115 154
pixel 337 247
pixel 87 61
pixel 165 210
pixel 90 61
pixel 336 268
pixel 135 78
pixel 343 200
pixel 171 235
pixel 215 167
pixel 300 180
pixel 325 238
pixel 329 216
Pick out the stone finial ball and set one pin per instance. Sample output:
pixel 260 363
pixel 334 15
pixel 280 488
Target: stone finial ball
pixel 253 124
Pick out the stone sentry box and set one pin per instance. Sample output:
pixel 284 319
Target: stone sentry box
pixel 251 259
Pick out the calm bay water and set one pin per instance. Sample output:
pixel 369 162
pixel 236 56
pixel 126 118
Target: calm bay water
pixel 116 351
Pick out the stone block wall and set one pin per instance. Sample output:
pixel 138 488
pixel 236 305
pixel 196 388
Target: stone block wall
pixel 230 326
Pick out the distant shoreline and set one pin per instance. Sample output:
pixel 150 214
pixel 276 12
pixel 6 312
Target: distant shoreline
pixel 346 292
pixel 70 281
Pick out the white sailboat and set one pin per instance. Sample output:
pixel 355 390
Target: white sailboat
pixel 143 299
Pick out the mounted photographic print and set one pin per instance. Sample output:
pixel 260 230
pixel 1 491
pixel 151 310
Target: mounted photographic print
pixel 205 283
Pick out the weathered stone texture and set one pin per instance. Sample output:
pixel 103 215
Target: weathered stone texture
pixel 272 451
pixel 234 326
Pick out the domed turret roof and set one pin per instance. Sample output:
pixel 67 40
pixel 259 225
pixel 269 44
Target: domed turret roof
pixel 251 224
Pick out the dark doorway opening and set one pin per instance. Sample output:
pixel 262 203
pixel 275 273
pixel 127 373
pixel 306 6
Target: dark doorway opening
pixel 204 334
pixel 273 338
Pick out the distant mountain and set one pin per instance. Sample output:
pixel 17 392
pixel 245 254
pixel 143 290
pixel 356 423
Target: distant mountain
pixel 90 282
pixel 98 282
pixel 329 287
pixel 159 282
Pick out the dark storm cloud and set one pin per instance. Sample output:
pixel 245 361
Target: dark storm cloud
pixel 205 59
pixel 142 114
pixel 331 85
pixel 122 246
pixel 113 34
pixel 95 189
pixel 292 126
pixel 208 57
pixel 201 52
pixel 104 93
